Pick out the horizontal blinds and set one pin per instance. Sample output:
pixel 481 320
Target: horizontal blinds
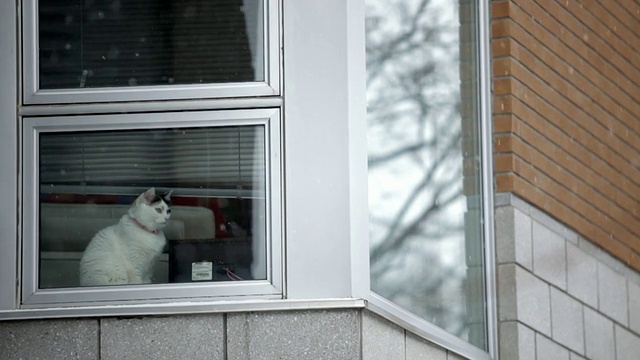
pixel 203 158
pixel 102 43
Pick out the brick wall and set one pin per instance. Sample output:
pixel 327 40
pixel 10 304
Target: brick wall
pixel 566 114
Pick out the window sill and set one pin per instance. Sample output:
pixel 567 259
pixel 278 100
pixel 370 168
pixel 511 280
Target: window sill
pixel 194 307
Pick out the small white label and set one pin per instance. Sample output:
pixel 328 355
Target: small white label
pixel 201 271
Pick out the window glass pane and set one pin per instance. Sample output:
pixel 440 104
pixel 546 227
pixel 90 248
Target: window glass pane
pixel 424 161
pixel 100 43
pixel 106 218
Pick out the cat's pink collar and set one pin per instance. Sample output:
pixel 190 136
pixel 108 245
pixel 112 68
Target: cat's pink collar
pixel 142 226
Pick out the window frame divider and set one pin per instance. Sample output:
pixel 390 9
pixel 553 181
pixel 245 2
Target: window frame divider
pixel 152 106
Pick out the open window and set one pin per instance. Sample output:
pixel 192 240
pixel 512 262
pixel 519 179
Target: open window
pixel 429 176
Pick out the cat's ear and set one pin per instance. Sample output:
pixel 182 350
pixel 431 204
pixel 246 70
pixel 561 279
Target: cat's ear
pixel 149 195
pixel 167 196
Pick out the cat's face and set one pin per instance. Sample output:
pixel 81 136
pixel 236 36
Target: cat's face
pixel 153 210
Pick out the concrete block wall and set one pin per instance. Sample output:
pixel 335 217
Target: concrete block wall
pixel 560 296
pixel 383 340
pixel 320 334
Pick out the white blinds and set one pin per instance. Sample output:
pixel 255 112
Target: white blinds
pixel 195 158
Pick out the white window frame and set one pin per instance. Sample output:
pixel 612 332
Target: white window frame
pixel 325 254
pixel 9 176
pixel 32 94
pixel 32 296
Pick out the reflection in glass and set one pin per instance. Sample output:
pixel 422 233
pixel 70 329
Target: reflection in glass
pixel 101 43
pixel 424 189
pixel 187 204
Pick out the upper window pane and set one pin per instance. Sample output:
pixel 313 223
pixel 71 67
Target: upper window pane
pixel 115 43
pixel 424 162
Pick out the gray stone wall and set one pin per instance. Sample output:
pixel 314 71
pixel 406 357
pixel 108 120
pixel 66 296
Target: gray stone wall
pixel 331 334
pixel 383 340
pixel 319 334
pixel 561 297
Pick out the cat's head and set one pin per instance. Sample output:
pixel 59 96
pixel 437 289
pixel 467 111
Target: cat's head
pixel 151 209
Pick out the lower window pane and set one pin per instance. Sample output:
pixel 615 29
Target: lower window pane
pixel 152 206
pixel 424 162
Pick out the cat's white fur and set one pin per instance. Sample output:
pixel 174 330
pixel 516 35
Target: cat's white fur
pixel 126 253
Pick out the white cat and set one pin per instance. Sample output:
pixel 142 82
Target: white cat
pixel 126 253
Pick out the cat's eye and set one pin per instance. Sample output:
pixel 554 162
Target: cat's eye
pixel 159 211
pixel 168 211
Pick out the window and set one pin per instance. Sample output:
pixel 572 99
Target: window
pixel 84 180
pixel 425 163
pixel 216 176
pixel 111 50
pixel 176 200
pixel 104 43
